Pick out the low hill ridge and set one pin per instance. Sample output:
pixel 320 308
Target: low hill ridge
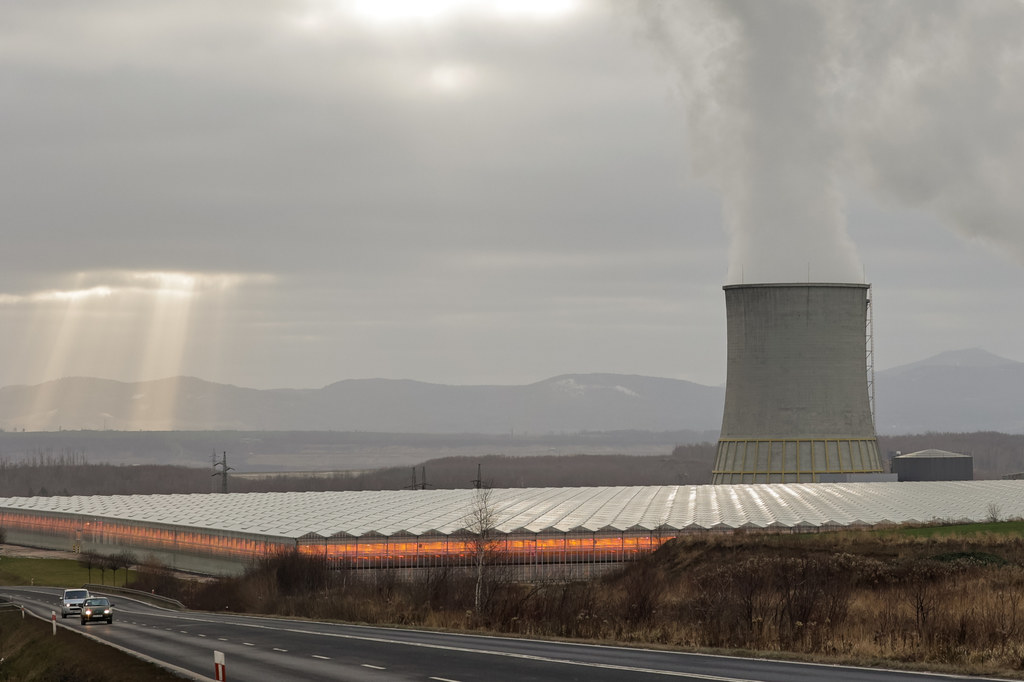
pixel 956 391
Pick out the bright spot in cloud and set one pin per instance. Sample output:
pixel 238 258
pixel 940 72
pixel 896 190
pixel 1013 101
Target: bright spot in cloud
pixel 166 283
pixel 535 9
pixel 74 296
pixel 393 12
pixel 389 11
pixel 451 77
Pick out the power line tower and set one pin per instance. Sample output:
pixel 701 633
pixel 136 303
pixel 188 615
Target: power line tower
pixel 223 473
pixel 416 485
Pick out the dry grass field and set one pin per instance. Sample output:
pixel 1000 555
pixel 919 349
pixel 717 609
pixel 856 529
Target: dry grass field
pixel 939 598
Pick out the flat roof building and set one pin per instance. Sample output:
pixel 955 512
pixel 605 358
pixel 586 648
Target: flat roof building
pixel 933 465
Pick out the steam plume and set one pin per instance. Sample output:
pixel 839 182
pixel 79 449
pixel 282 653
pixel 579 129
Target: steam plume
pixel 791 102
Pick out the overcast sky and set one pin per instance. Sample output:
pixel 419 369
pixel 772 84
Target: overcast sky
pixel 293 192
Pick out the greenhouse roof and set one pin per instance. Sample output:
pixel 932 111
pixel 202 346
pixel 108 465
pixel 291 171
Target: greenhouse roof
pixel 550 510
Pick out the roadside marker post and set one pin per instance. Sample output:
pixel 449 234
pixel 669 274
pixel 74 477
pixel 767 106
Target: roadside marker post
pixel 53 618
pixel 220 672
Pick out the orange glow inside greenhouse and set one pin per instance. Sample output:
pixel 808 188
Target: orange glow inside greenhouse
pixel 364 552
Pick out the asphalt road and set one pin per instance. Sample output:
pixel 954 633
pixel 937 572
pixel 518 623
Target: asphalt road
pixel 257 648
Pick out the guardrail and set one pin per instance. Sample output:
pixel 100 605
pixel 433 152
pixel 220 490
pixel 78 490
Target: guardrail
pixel 128 592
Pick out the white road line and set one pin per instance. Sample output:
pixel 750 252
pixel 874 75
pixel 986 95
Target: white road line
pixel 248 644
pixel 201 635
pixel 243 623
pixel 528 657
pixel 373 667
pixel 482 652
pixel 441 679
pixel 222 639
pixel 284 651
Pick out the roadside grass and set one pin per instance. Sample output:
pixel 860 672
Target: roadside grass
pixel 30 651
pixel 998 528
pixel 56 572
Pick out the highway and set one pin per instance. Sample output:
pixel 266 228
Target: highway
pixel 258 648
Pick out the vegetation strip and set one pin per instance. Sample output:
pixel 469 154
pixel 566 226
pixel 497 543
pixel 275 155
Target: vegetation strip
pixel 948 599
pixel 52 665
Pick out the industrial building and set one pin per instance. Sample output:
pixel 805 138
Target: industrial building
pixel 933 465
pixel 797 396
pixel 533 528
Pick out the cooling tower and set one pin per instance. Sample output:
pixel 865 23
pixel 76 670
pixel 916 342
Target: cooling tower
pixel 796 396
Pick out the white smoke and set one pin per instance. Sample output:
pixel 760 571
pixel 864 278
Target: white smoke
pixel 792 101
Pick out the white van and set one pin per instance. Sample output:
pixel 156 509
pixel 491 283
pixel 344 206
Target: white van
pixel 71 601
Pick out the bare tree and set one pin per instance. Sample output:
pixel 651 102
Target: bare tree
pixel 102 563
pixel 89 560
pixel 481 522
pixel 123 559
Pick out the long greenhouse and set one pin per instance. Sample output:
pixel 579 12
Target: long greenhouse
pixel 524 526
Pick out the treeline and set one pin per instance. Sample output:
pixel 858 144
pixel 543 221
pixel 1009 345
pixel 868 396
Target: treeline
pixel 70 476
pixel 955 603
pixel 26 479
pixel 323 450
pixel 68 473
pixel 102 563
pixel 687 464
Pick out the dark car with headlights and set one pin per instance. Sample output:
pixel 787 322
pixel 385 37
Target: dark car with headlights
pixel 97 608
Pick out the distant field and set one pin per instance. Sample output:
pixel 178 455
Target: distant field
pixel 56 572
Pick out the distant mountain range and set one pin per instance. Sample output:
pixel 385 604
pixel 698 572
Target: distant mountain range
pixel 969 390
pixel 956 391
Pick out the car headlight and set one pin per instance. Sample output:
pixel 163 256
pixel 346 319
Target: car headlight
pixel 106 612
pixel 88 612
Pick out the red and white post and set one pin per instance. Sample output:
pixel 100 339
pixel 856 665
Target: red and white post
pixel 53 618
pixel 220 672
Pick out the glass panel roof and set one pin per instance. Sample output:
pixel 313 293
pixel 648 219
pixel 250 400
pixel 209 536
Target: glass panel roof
pixel 532 510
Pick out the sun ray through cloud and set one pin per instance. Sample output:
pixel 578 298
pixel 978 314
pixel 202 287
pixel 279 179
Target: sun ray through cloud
pixel 133 325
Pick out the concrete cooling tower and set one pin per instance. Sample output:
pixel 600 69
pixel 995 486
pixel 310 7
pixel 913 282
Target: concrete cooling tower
pixel 796 396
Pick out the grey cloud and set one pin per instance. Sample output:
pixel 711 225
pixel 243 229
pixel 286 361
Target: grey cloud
pixel 942 130
pixel 545 220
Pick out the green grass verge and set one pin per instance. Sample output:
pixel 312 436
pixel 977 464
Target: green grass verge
pixel 998 528
pixel 57 572
pixel 31 651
